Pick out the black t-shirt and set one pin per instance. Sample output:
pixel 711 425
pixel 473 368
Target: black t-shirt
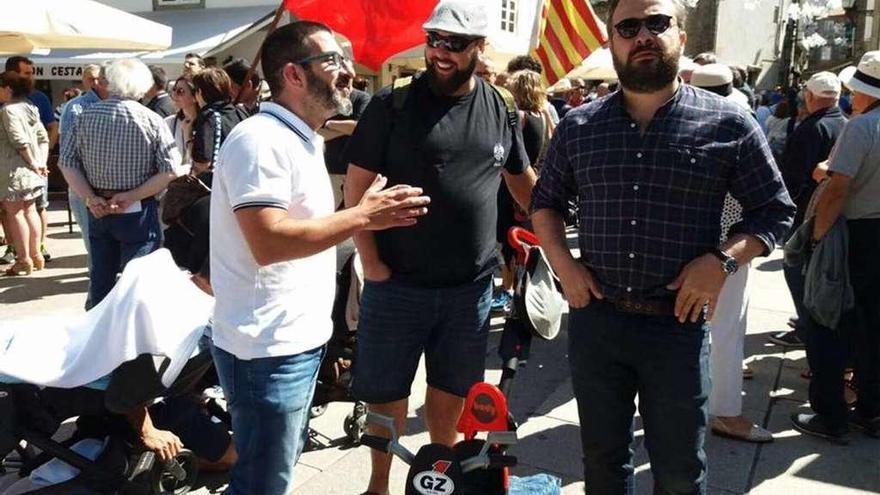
pixel 334 149
pixel 455 149
pixel 208 128
pixel 533 136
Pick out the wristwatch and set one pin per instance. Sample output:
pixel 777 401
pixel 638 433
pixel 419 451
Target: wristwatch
pixel 728 262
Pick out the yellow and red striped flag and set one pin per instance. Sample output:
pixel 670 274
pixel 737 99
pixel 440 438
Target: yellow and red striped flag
pixel 566 32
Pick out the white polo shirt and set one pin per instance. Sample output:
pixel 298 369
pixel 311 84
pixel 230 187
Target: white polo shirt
pixel 272 159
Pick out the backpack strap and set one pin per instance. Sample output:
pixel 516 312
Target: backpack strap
pixel 399 92
pixel 509 104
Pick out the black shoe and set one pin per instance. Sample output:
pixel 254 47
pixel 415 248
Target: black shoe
pixel 812 424
pixel 786 339
pixel 870 427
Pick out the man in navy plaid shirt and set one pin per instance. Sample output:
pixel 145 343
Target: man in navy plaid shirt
pixel 650 166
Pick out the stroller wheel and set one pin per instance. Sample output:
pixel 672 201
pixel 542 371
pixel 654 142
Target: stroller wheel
pixel 356 423
pixel 167 482
pixel 316 411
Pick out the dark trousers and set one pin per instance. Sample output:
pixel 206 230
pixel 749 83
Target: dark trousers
pixel 795 279
pixel 114 240
pixel 613 357
pixel 858 334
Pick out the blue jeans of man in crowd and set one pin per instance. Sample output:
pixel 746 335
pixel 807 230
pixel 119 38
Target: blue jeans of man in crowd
pixel 614 356
pixel 81 217
pixel 269 400
pixel 114 240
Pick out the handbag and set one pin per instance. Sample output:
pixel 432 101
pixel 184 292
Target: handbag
pixel 181 194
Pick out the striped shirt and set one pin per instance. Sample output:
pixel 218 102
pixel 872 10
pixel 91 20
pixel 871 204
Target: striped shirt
pixel 118 145
pixel 649 204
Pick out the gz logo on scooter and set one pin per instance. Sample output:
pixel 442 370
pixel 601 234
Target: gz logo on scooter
pixel 434 482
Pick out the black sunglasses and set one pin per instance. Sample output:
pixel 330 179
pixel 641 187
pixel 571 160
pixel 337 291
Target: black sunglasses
pixel 655 24
pixel 336 59
pixel 455 44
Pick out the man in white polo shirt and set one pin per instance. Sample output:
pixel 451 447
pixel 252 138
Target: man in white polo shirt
pixel 273 229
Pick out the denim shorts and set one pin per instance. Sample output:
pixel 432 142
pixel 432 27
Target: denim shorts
pixel 399 322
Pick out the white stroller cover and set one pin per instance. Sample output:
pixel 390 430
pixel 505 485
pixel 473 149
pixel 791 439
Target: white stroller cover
pixel 153 309
pixel 544 302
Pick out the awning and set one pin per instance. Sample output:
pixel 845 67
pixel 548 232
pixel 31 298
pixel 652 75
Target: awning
pixel 201 31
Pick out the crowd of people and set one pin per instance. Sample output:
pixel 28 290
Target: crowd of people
pixel 674 178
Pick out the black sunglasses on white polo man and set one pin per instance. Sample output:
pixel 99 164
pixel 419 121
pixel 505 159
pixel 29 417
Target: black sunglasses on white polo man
pixel 655 24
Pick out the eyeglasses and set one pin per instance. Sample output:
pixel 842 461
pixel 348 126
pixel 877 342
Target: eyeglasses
pixel 655 24
pixel 336 59
pixel 179 91
pixel 455 44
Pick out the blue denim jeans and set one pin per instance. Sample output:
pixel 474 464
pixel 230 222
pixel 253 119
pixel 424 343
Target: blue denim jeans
pixel 81 217
pixel 269 400
pixel 614 356
pixel 114 240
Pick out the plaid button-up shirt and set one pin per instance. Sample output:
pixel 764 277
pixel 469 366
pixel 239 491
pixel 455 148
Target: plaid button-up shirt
pixel 118 145
pixel 649 204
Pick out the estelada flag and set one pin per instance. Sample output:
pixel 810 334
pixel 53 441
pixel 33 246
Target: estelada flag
pixel 377 29
pixel 565 33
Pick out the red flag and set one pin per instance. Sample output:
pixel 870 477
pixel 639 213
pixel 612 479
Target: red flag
pixel 377 29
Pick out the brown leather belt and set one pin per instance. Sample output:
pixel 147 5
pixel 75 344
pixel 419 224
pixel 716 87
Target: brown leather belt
pixel 109 193
pixel 650 307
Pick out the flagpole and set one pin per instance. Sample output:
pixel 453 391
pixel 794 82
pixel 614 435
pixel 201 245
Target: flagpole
pixel 253 67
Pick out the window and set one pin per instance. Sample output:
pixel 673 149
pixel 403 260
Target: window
pixel 508 15
pixel 177 4
pixel 869 28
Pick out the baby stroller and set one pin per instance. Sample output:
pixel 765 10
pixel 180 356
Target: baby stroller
pixel 33 415
pixel 334 377
pixel 138 344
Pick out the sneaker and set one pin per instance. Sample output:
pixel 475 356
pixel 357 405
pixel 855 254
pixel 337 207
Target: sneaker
pixel 812 424
pixel 786 339
pixel 870 427
pixel 8 257
pixel 501 302
pixel 45 253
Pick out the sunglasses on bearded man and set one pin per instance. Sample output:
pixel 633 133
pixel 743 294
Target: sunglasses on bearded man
pixel 655 24
pixel 455 44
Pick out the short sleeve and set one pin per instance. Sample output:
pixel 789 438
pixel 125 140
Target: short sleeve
pixel 255 172
pixel 518 160
pixel 852 148
pixel 14 126
pixel 41 101
pixel 166 155
pixel 367 145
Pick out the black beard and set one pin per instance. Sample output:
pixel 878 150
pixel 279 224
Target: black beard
pixel 327 96
pixel 453 84
pixel 647 76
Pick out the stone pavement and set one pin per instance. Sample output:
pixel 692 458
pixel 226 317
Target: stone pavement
pixel 542 401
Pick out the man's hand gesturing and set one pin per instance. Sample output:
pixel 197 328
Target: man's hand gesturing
pixel 397 206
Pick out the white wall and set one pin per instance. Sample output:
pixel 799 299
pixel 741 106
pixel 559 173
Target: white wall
pixel 748 34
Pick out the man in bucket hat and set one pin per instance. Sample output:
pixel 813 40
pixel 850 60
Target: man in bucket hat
pixel 853 191
pixel 428 289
